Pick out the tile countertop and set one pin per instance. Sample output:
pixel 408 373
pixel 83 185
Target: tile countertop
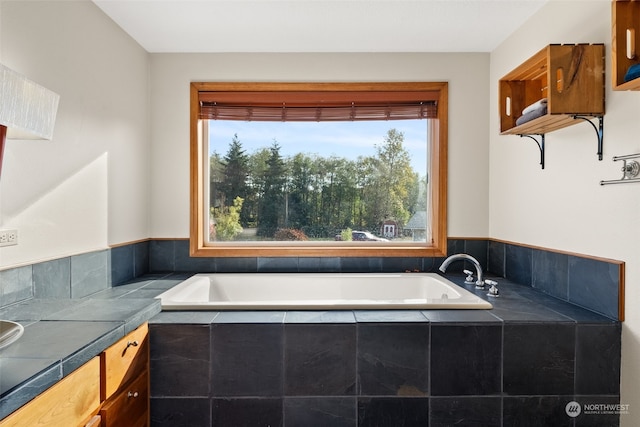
pixel 62 334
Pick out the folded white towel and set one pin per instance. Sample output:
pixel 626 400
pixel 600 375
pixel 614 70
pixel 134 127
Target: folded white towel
pixel 538 104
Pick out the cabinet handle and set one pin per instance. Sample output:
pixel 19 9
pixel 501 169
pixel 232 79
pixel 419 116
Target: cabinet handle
pixel 132 344
pixel 132 394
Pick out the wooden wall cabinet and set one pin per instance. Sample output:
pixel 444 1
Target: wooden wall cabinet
pixel 111 390
pixel 569 76
pixel 625 42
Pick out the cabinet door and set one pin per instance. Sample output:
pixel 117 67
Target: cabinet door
pixel 125 360
pixel 130 406
pixel 70 402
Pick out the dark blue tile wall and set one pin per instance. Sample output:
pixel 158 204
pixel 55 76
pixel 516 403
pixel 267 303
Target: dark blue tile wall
pixel 122 263
pixel 496 258
pixel 594 284
pixel 393 359
pixel 235 347
pixel 89 273
pixel 466 411
pixel 585 281
pixel 16 285
pixel 162 255
pixel 180 412
pixel 436 371
pixel 259 412
pixel 184 352
pixel 539 359
pixel 320 411
pixel 52 279
pixel 588 282
pixel 75 276
pixel 551 273
pixel 391 412
pixel 466 360
pixel 518 264
pixel 598 350
pixel 320 360
pixel 536 411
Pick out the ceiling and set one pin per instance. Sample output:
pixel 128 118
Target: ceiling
pixel 319 25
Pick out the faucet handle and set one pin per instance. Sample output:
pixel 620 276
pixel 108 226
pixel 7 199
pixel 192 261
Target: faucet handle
pixel 493 290
pixel 469 280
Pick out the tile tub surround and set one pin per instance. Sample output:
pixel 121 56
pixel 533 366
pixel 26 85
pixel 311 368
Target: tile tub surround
pixel 592 283
pixel 507 366
pixel 595 284
pixel 139 270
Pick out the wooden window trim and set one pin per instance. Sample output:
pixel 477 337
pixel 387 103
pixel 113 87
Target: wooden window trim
pixel 438 175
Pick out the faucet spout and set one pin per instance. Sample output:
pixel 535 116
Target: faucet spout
pixel 472 260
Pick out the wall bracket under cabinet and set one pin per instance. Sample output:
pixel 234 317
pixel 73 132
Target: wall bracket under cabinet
pixel 599 134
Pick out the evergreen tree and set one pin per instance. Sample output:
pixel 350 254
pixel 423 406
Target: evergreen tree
pixel 216 179
pixel 299 192
pixel 236 173
pixel 271 206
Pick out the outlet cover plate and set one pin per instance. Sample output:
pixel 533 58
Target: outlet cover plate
pixel 8 237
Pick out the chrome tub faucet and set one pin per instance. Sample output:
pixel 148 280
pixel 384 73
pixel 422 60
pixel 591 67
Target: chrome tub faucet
pixel 476 264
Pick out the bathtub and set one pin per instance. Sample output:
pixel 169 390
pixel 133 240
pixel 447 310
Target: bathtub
pixel 319 291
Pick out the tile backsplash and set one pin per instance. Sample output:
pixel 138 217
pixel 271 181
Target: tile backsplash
pixel 586 281
pixel 589 282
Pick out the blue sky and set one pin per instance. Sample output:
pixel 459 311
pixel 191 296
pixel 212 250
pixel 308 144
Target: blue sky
pixel 343 139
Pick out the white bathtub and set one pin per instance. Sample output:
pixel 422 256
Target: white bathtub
pixel 321 291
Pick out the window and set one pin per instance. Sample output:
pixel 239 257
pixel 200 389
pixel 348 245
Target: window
pixel 362 216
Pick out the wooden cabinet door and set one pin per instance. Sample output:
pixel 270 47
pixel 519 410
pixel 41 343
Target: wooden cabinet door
pixel 130 406
pixel 70 402
pixel 125 360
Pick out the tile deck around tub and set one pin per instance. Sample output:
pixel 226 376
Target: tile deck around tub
pixel 522 360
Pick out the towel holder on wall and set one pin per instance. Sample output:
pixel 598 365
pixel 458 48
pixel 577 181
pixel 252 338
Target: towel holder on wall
pixel 630 170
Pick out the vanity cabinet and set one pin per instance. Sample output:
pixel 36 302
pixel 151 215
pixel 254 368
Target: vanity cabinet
pixel 70 402
pixel 111 390
pixel 625 40
pixel 569 76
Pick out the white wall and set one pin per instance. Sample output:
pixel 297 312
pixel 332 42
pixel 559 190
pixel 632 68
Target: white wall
pixel 467 75
pixel 564 207
pixel 88 187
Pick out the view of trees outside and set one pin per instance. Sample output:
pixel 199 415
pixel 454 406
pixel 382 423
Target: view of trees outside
pixel 266 192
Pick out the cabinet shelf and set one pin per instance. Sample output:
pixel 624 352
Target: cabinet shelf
pixel 625 40
pixel 570 77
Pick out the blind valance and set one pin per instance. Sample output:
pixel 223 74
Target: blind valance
pixel 318 105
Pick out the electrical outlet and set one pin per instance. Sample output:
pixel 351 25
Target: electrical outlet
pixel 8 237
